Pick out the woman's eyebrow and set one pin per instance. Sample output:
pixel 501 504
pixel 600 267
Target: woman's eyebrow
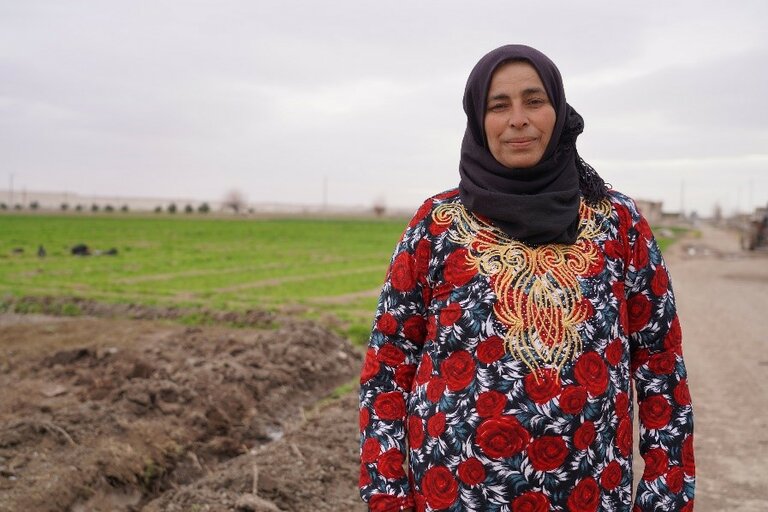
pixel 533 90
pixel 500 96
pixel 526 92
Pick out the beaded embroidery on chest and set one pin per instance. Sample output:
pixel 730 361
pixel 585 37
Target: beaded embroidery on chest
pixel 538 294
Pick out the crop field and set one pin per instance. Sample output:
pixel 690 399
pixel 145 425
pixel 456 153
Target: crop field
pixel 314 267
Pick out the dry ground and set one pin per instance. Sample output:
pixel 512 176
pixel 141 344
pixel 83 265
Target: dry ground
pixel 100 414
pixel 722 296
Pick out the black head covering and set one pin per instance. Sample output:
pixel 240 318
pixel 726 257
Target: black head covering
pixel 536 205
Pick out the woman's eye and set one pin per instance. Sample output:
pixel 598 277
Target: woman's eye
pixel 497 107
pixel 537 101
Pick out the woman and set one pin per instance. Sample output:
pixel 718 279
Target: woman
pixel 516 312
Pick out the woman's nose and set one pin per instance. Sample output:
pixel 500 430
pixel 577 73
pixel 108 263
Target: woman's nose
pixel 518 117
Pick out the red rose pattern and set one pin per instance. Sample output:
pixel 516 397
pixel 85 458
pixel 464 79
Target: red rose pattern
pixel 674 478
pixel 656 463
pixel 660 282
pixel 688 460
pixel 491 403
pixel 415 432
pixel 542 386
pixel 681 393
pixel 422 255
pixel 458 271
pixel 674 336
pixel 370 366
pixel 639 311
pixel 390 355
pixel 438 347
pixel 471 471
pixel 502 437
pixel 389 406
pixel 490 350
pixel 458 370
pixel 450 314
pixel 364 417
pixel 584 435
pixel 383 503
pixel 585 497
pixel 655 412
pixel 547 452
pixel 531 502
pixel 624 436
pixel 370 450
pixel 611 476
pixel 402 274
pixel 415 329
pixel 424 371
pixel 640 253
pixel 365 477
pixel 591 372
pixel 404 376
pixel 390 464
pixel 435 389
pixel 572 399
pixel 614 352
pixel 639 358
pixel 436 424
pixel 622 404
pixel 439 487
pixel 387 324
pixel 662 363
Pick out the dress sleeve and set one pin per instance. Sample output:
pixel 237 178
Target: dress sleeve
pixel 393 353
pixel 666 417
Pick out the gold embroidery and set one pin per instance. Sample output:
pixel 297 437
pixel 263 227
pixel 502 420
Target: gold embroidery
pixel 538 294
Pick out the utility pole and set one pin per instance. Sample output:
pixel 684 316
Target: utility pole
pixel 682 198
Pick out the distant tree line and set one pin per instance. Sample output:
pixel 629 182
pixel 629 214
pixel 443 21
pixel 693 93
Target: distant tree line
pixel 170 208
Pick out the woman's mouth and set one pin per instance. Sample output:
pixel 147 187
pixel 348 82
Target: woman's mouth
pixel 520 142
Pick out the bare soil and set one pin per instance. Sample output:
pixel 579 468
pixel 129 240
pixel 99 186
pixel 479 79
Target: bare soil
pixel 126 410
pixel 115 414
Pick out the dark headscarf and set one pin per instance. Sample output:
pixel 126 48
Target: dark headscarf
pixel 539 204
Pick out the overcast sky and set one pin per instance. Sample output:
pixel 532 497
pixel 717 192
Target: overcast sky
pixel 191 98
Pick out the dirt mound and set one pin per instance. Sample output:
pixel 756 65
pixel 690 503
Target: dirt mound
pixel 111 415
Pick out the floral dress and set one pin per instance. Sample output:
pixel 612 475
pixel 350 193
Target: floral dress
pixel 502 373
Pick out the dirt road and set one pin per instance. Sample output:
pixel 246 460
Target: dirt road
pixel 722 297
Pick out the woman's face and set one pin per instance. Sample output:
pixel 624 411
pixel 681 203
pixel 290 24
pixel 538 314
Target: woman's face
pixel 519 117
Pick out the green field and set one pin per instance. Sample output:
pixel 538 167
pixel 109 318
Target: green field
pixel 320 268
pixel 315 266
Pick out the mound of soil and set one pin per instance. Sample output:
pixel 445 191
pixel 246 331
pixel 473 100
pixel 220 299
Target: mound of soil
pixel 128 415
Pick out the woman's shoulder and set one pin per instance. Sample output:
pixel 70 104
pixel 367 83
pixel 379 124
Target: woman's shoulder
pixel 428 206
pixel 446 196
pixel 619 198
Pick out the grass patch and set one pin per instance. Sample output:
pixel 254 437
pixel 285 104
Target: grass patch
pixel 197 262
